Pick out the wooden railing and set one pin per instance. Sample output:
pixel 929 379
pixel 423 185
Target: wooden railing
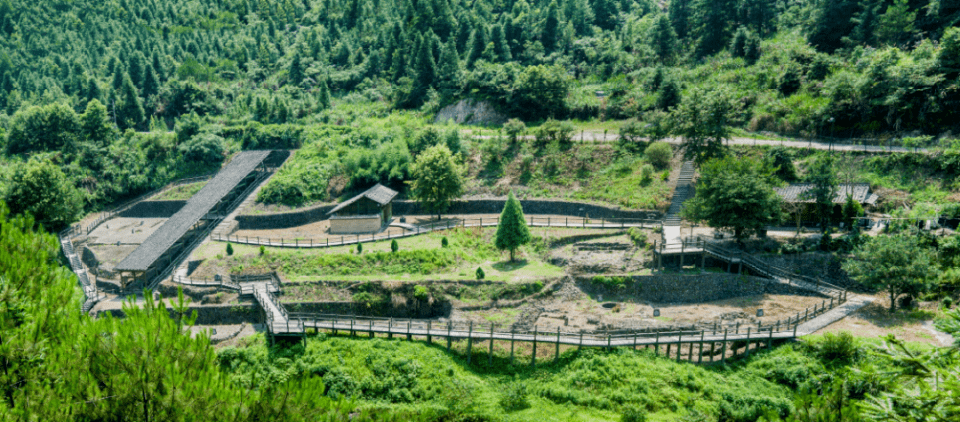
pixel 533 221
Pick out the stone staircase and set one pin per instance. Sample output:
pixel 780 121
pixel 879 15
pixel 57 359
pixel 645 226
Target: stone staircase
pixel 680 194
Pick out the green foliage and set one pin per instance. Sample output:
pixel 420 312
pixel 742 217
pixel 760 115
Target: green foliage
pixel 512 231
pixel 633 414
pixel 851 211
pixel 838 349
pixel 735 194
pixel 359 248
pixel 898 264
pixel 781 159
pixel 480 274
pixel 206 150
pixel 437 179
pixel 638 236
pixel 420 292
pixel 646 174
pixel 52 127
pixel 394 247
pixel 703 119
pixel 40 188
pixel 444 242
pixel 823 176
pixel 229 249
pixel 659 154
pixel 514 397
pixel 514 128
pixel 540 91
pixel 262 250
pixel 610 282
pixel 554 131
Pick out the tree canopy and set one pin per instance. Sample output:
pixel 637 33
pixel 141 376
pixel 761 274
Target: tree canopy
pixel 512 231
pixel 898 264
pixel 734 193
pixel 437 179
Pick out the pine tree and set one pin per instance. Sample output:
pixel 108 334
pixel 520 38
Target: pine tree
pixel 426 72
pixel 606 13
pixel 295 71
pixel 135 70
pixel 151 84
pixel 118 77
pixel 130 112
pixel 324 100
pixel 512 232
pixel 551 28
pixel 478 42
pixel 712 23
pixel 93 89
pixel 500 46
pixel 663 39
pixel 449 74
pixel 96 125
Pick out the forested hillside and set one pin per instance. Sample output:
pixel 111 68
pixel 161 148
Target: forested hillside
pixel 95 87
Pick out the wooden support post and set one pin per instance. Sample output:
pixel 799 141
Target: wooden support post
pixel 429 337
pixel 747 352
pixel 669 346
pixel 533 360
pixel 449 325
pixel 370 328
pixel 683 247
pixel 723 348
pixel 490 352
pixel 679 345
pixel 580 343
pixel 556 354
pixel 713 346
pixel 390 329
pixel 470 342
pixel 770 340
pixel 656 344
pixel 352 332
pixel 634 341
pixel 511 345
pixel 700 349
pixel 409 337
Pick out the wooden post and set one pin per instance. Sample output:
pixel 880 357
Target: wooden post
pixel 656 344
pixel 770 340
pixel 679 344
pixel 390 329
pixel 533 361
pixel 747 352
pixel 713 345
pixel 490 353
pixel 556 355
pixel 634 340
pixel 370 328
pixel 511 345
pixel 449 325
pixel 723 348
pixel 352 332
pixel 580 343
pixel 700 349
pixel 409 338
pixel 429 337
pixel 470 342
pixel 683 247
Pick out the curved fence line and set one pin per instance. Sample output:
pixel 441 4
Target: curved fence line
pixel 569 222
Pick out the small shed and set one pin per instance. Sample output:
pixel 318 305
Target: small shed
pixel 797 194
pixel 367 212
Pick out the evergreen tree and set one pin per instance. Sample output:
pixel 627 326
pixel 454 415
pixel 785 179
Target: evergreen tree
pixel 118 77
pixel 713 17
pixel 500 46
pixel 96 125
pixel 478 43
pixel 606 13
pixel 663 39
pixel 512 231
pixel 833 20
pixel 135 70
pixel 324 100
pixel 130 111
pixel 449 74
pixel 295 71
pixel 680 17
pixel 426 69
pixel 92 89
pixel 151 84
pixel 551 28
pixel 823 177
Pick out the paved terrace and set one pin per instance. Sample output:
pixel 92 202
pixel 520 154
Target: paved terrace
pixel 145 256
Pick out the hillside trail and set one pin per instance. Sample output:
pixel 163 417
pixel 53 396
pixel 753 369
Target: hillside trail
pixel 599 136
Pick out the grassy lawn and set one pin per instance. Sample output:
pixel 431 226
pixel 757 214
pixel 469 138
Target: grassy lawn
pixel 418 258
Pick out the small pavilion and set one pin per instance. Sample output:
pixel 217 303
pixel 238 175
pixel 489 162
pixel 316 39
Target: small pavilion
pixel 367 212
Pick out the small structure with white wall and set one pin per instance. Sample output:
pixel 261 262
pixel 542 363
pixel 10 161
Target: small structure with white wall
pixel 367 212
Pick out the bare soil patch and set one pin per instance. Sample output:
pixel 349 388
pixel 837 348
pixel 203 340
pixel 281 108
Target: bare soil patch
pixel 875 321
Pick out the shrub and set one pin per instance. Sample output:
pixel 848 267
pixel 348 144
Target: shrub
pixel 263 250
pixel 659 154
pixel 359 248
pixel 514 397
pixel 646 174
pixel 840 348
pixel 420 292
pixel 553 130
pixel 480 274
pixel 444 242
pixel 394 247
pixel 229 249
pixel 638 237
pixel 203 149
pixel 947 302
pixel 633 414
pixel 514 128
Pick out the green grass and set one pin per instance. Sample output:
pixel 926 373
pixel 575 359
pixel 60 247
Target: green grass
pixel 179 193
pixel 418 258
pixel 587 385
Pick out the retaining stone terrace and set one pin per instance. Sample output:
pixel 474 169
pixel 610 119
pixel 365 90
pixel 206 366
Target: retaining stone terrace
pixel 693 288
pixel 436 309
pixel 209 315
pixel 153 209
pixel 476 206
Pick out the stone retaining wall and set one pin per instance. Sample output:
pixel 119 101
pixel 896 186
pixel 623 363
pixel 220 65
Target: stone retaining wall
pixel 153 209
pixel 691 288
pixel 477 206
pixel 212 315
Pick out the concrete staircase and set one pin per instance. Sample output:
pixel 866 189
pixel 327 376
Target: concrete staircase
pixel 680 194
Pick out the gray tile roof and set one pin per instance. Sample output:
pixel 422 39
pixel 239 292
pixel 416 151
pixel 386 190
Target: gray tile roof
pixel 859 191
pixel 142 258
pixel 379 194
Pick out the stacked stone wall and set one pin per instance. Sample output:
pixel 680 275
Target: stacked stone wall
pixel 690 288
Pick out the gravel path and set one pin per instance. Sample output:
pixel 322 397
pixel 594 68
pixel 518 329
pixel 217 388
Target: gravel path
pixel 852 305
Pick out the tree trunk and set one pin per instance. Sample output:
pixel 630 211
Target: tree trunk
pixel 511 255
pixel 893 301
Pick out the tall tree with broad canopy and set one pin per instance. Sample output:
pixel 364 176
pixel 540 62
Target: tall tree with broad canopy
pixel 823 177
pixel 40 188
pixel 703 119
pixel 898 264
pixel 735 193
pixel 437 179
pixel 512 232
